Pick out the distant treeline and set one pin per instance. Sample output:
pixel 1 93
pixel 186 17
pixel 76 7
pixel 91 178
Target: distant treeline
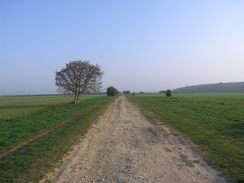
pixel 234 87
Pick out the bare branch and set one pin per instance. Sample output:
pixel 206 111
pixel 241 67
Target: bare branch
pixel 79 77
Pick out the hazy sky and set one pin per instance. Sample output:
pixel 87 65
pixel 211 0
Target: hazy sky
pixel 142 45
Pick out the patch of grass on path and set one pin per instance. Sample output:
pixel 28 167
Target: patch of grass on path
pixel 30 163
pixel 213 121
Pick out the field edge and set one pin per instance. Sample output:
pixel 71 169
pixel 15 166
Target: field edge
pixel 32 162
pixel 153 118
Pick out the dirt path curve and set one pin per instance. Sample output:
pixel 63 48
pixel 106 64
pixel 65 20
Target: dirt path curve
pixel 124 147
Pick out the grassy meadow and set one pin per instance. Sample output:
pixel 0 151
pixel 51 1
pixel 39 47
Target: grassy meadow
pixel 215 122
pixel 14 106
pixel 64 122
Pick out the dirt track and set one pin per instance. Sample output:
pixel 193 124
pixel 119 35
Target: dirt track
pixel 124 147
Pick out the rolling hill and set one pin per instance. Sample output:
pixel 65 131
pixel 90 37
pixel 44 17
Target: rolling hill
pixel 233 87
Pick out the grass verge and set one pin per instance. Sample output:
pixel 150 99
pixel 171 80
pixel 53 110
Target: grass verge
pixel 15 130
pixel 213 122
pixel 31 162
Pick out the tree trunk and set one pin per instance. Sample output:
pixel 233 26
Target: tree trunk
pixel 77 99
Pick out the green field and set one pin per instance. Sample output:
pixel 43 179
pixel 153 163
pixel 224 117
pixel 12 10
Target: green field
pixel 65 124
pixel 215 122
pixel 19 105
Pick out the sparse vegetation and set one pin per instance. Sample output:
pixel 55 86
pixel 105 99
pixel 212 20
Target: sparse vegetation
pixel 213 121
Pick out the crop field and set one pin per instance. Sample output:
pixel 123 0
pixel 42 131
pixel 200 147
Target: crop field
pixel 19 105
pixel 34 141
pixel 215 122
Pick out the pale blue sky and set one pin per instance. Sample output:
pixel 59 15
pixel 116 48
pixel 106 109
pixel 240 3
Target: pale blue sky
pixel 142 45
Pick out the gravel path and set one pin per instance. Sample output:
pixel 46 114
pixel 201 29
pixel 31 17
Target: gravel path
pixel 124 147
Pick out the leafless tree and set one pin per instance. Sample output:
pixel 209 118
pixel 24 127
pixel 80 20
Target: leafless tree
pixel 79 77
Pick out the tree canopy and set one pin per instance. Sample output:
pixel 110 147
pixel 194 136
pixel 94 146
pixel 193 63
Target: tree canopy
pixel 79 77
pixel 111 91
pixel 168 93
